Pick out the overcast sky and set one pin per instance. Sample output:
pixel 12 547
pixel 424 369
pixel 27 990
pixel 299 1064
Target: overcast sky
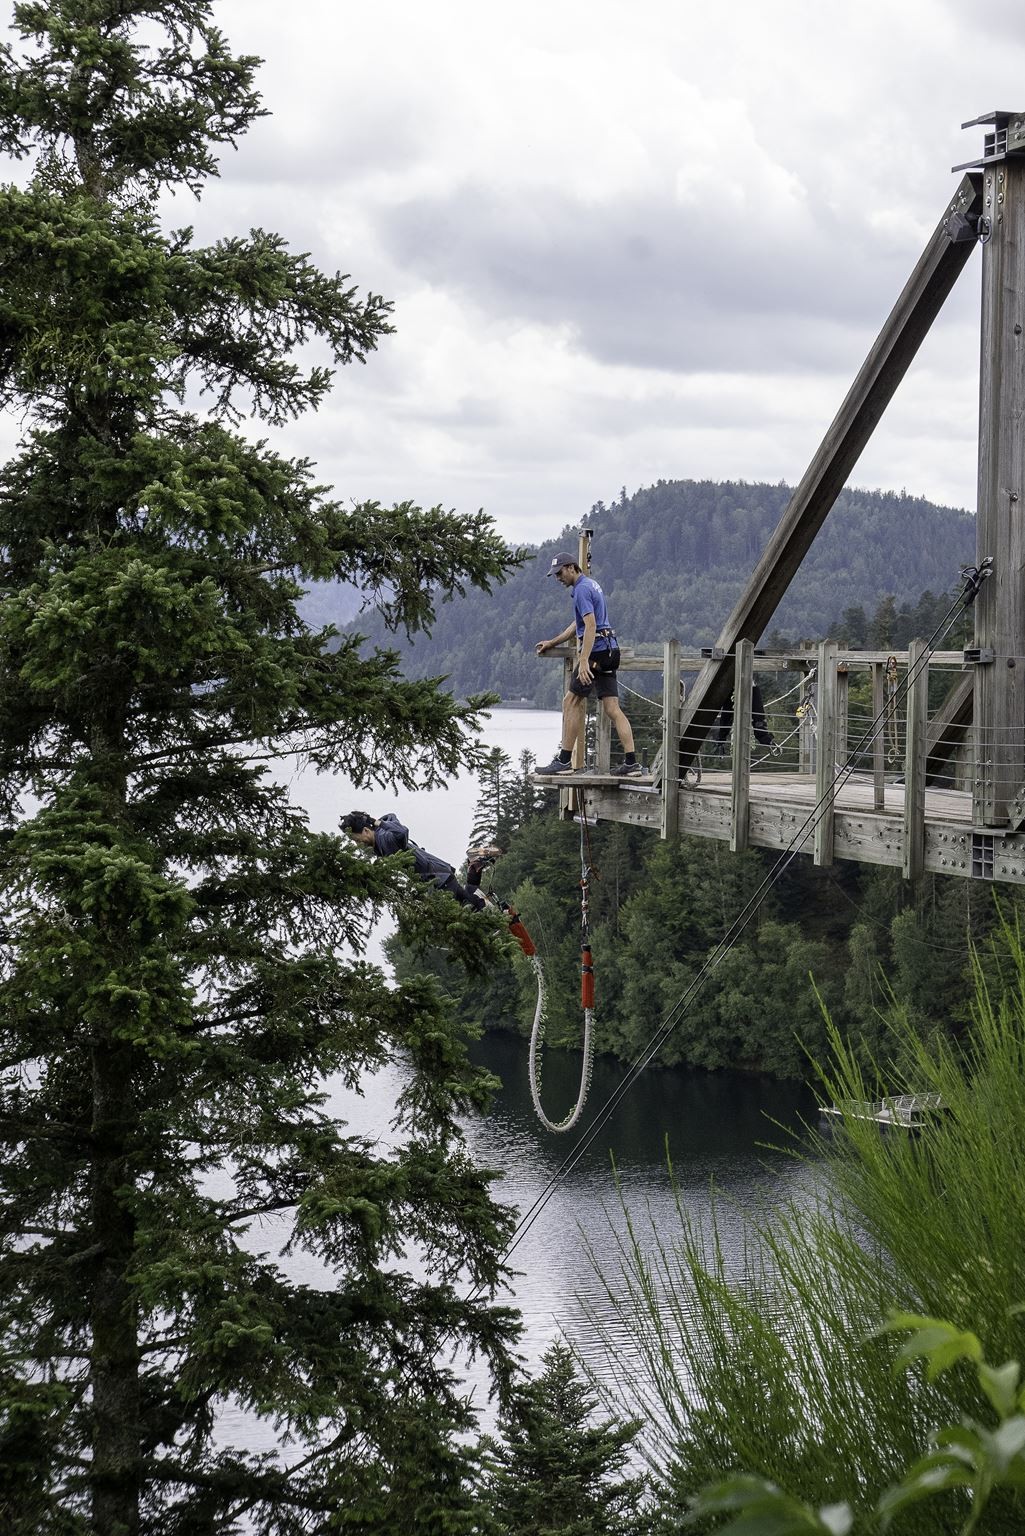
pixel 625 239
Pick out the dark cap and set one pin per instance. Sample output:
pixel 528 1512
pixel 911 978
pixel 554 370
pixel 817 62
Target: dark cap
pixel 356 821
pixel 558 563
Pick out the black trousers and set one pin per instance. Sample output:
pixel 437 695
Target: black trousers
pixel 724 724
pixel 466 898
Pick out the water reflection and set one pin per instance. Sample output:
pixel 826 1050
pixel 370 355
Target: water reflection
pixel 725 1135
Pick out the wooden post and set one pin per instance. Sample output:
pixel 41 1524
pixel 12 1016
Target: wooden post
pixel 740 810
pixel 671 739
pixel 566 795
pixel 878 737
pixel 842 692
pixel 999 710
pixel 825 759
pixel 602 742
pixel 914 761
pixel 806 733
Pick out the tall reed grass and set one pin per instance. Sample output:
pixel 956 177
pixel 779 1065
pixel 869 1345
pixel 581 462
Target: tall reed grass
pixel 785 1376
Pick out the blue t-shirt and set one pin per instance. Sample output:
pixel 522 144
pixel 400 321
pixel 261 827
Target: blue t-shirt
pixel 588 597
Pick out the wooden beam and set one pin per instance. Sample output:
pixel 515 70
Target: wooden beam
pixel 843 678
pixel 1000 525
pixel 602 742
pixel 913 858
pixel 923 296
pixel 825 757
pixel 566 796
pixel 743 677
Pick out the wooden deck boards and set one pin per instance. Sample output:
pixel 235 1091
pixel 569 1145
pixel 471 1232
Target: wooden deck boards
pixel 797 789
pixel 856 794
pixel 781 815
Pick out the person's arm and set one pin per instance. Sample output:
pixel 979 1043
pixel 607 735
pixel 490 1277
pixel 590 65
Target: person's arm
pixel 546 645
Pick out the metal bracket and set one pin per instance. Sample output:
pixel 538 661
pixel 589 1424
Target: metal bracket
pixel 1016 810
pixel 964 228
pixel 978 655
pixel 1007 138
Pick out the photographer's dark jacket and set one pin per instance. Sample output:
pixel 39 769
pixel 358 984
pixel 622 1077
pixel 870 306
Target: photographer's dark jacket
pixel 390 836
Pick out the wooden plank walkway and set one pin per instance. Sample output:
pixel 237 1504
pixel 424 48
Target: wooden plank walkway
pixel 856 794
pixel 780 815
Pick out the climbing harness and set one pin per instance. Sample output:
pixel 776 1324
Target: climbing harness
pixel 537 1032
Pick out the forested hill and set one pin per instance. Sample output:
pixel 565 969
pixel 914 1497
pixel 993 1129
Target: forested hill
pixel 673 559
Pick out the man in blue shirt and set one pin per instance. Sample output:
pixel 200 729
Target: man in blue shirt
pixel 595 671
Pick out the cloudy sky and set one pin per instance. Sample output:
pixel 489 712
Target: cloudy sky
pixel 625 239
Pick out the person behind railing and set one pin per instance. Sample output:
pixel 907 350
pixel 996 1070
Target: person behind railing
pixel 724 724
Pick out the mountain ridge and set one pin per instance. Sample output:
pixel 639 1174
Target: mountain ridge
pixel 673 558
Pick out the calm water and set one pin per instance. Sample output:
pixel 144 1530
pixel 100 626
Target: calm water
pixel 717 1127
pixel 717 1130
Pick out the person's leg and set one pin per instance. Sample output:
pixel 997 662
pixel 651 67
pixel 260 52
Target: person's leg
pixel 623 729
pixel 465 898
pixel 572 720
pixel 572 725
pixel 763 736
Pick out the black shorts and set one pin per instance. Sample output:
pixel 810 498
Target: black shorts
pixel 604 666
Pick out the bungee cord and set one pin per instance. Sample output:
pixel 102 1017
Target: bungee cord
pixel 559 1127
pixel 973 577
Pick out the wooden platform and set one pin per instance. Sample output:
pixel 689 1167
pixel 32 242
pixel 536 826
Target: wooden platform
pixel 782 814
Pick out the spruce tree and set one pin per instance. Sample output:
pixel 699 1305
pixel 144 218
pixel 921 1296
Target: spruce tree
pixel 177 968
pixel 555 1472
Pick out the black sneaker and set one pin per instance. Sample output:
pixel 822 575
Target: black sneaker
pixel 629 770
pixel 555 766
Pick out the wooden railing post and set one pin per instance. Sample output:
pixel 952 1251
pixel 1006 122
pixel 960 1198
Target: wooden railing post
pixel 825 759
pixel 671 739
pixel 740 810
pixel 566 795
pixel 914 761
pixel 842 694
pixel 602 742
pixel 878 737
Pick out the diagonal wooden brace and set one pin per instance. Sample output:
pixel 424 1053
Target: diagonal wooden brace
pixel 908 324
